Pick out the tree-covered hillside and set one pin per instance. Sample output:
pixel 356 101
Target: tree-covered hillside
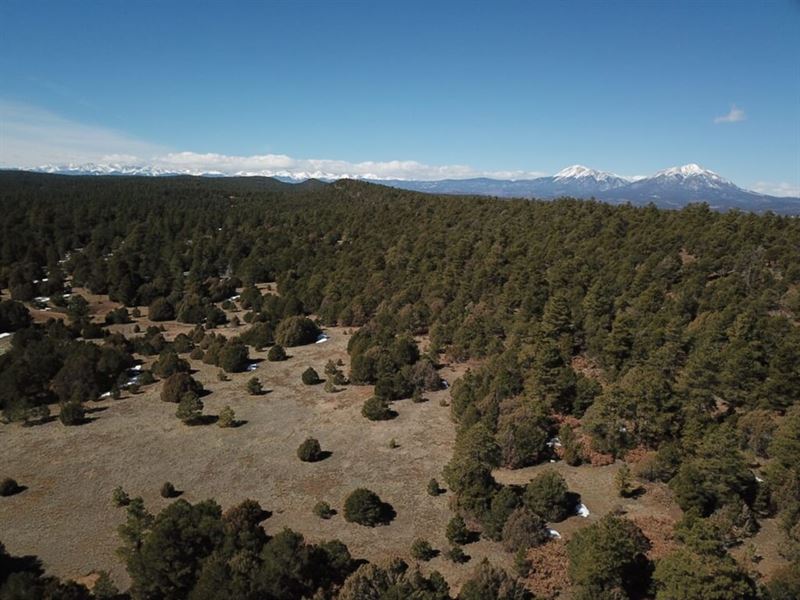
pixel 674 333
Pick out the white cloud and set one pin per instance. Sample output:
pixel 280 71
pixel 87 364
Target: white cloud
pixel 32 138
pixel 735 115
pixel 777 189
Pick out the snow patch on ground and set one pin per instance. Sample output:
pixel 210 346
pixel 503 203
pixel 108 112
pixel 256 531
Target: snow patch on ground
pixel 554 534
pixel 322 338
pixel 251 367
pixel 582 511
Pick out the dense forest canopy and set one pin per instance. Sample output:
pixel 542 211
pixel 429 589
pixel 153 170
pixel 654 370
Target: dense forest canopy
pixel 675 332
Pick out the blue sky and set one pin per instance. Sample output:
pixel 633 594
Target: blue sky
pixel 407 89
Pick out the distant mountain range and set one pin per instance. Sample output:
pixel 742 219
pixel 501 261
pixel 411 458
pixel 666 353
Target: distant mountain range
pixel 670 188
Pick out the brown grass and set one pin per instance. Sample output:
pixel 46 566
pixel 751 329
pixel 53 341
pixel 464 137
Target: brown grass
pixel 66 515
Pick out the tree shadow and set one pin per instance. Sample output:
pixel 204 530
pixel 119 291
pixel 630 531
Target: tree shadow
pixel 323 455
pixel 22 564
pixel 238 423
pixel 636 493
pixel 96 409
pixel 17 490
pixel 203 420
pixel 387 514
pixel 573 501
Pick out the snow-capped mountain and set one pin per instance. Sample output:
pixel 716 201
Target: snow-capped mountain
pixel 678 186
pixel 669 188
pixel 578 175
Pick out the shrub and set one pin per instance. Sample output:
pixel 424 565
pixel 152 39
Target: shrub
pixel 573 453
pixel 169 363
pixel 276 353
pixel 161 310
pixel 323 510
pixel 393 444
pixel 457 532
pixel 168 490
pixel 310 377
pixel 258 336
pixel 524 529
pixel 182 344
pixel 309 450
pixel 422 550
pixel 8 487
pixel 234 357
pixel 623 481
pixel 457 555
pixel 364 507
pixel 330 388
pixel 376 409
pixel 522 564
pixel 417 396
pixel 118 316
pixel 222 375
pixel 179 384
pixel 146 377
pixel 547 495
pixel 433 488
pixel 197 354
pixel 120 497
pixel 72 413
pixel 190 408
pixel 254 387
pixel 603 556
pixel 296 331
pixel 227 418
pixel 104 588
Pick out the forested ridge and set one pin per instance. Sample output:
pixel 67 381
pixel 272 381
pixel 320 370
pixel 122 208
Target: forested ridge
pixel 616 328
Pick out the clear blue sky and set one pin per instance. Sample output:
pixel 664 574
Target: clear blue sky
pixel 629 87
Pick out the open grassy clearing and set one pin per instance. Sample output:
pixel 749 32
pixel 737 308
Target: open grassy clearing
pixel 66 515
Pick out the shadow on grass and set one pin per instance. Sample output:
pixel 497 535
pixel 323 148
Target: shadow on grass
pixel 203 420
pixel 18 489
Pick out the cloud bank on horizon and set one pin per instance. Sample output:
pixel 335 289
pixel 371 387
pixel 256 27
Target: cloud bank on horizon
pixel 33 138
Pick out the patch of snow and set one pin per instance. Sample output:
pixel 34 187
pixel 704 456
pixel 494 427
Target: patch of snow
pixel 4 335
pixel 582 511
pixel 322 338
pixel 554 442
pixel 236 297
pixel 42 299
pixel 445 384
pixel 554 534
pixel 106 395
pixel 251 367
pixel 136 368
pixel 759 480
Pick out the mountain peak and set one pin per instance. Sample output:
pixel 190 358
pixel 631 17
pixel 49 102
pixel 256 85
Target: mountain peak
pixel 577 171
pixel 581 172
pixel 689 170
